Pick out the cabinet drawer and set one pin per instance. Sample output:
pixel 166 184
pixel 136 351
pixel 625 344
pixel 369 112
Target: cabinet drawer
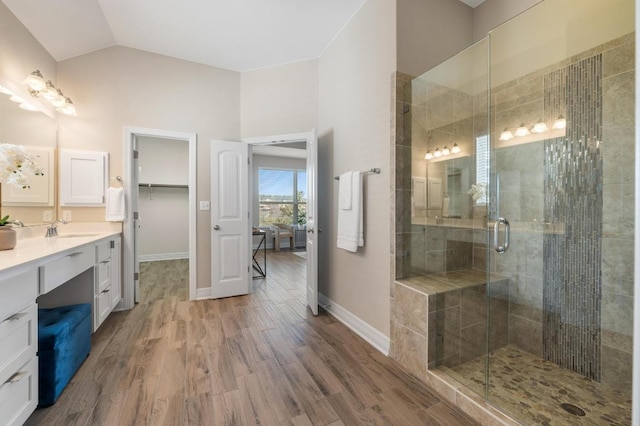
pixel 103 275
pixel 19 337
pixel 57 272
pixel 103 304
pixel 18 291
pixel 19 394
pixel 103 250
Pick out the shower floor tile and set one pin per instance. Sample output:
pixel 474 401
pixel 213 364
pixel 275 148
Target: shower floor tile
pixel 532 389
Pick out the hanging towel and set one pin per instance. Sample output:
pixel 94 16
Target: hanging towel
pixel 344 191
pixel 115 205
pixel 350 235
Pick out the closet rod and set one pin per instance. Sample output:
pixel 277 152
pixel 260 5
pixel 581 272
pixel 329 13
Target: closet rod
pixel 375 171
pixel 161 185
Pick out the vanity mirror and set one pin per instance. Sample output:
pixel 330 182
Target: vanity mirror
pixel 37 132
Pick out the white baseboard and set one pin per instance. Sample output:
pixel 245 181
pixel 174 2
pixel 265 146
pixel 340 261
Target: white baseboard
pixel 203 293
pixel 358 326
pixel 163 256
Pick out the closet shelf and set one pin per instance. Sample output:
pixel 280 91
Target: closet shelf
pixel 161 185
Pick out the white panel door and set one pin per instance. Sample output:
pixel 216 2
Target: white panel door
pixel 312 222
pixel 229 219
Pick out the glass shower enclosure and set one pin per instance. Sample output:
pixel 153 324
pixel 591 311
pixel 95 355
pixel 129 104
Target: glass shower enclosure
pixel 523 201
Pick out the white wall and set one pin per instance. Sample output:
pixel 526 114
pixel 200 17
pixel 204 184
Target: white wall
pixel 355 134
pixel 164 212
pixel 492 13
pixel 164 223
pixel 163 161
pixel 279 100
pixel 430 31
pixel 119 86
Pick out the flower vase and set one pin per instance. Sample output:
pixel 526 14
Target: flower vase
pixel 7 238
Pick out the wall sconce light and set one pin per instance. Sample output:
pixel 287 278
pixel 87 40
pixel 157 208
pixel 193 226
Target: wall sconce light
pixel 39 88
pixel 560 123
pixel 506 135
pixel 443 152
pixel 539 127
pixel 522 130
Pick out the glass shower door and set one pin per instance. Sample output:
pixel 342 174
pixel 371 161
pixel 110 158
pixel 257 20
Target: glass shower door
pixel 560 294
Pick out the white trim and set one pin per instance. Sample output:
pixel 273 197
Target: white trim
pixel 130 132
pixel 203 293
pixel 276 139
pixel 357 325
pixel 163 256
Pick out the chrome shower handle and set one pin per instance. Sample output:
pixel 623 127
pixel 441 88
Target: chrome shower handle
pixel 507 235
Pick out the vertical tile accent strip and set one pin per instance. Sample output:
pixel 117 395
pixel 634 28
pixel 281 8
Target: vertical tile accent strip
pixel 572 247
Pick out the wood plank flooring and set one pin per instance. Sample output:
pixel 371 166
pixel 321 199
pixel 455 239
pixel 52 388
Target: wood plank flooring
pixel 249 360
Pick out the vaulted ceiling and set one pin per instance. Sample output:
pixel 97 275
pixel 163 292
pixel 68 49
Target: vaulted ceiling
pixel 237 35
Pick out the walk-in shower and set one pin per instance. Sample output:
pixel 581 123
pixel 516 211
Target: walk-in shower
pixel 514 272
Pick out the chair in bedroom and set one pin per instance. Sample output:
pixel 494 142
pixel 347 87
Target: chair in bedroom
pixel 281 232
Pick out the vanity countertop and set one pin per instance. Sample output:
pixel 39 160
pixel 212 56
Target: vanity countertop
pixel 32 250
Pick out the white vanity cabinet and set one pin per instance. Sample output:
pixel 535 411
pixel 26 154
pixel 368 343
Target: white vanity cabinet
pixel 48 273
pixel 18 346
pixel 108 291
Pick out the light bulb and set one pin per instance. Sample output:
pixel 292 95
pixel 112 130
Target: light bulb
pixel 428 155
pixel 59 101
pixel 560 123
pixel 455 149
pixel 437 153
pixel 68 108
pixel 522 130
pixel 539 127
pixel 49 93
pixel 35 81
pixel 506 135
pixel 445 151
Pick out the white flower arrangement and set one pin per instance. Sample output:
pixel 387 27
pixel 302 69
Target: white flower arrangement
pixel 17 165
pixel 478 191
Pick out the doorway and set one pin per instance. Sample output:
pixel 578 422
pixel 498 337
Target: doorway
pixel 165 191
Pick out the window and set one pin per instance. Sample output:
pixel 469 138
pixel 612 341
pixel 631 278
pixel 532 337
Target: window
pixel 482 168
pixel 283 197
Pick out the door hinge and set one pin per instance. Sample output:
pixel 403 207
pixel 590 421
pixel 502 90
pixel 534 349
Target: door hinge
pixel 135 276
pixel 135 215
pixel 112 244
pixel 135 154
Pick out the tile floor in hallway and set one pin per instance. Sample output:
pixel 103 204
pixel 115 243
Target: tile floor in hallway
pixel 256 359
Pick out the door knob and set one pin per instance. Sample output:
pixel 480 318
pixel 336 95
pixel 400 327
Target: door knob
pixel 216 227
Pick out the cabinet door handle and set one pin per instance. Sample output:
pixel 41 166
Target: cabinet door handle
pixel 106 291
pixel 17 377
pixel 16 317
pixel 78 253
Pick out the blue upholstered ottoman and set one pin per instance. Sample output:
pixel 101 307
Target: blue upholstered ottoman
pixel 64 341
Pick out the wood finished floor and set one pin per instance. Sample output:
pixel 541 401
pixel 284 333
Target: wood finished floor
pixel 257 359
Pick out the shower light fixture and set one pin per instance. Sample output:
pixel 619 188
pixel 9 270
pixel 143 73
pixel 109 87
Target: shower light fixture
pixel 455 149
pixel 428 155
pixel 522 130
pixel 437 153
pixel 539 127
pixel 560 123
pixel 506 135
pixel 445 151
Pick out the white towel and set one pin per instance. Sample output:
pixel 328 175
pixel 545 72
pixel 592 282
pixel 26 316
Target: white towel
pixel 344 191
pixel 350 235
pixel 115 211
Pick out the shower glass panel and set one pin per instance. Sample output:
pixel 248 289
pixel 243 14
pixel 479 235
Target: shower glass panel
pixel 562 175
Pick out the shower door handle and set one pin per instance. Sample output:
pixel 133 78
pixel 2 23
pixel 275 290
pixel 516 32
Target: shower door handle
pixel 496 235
